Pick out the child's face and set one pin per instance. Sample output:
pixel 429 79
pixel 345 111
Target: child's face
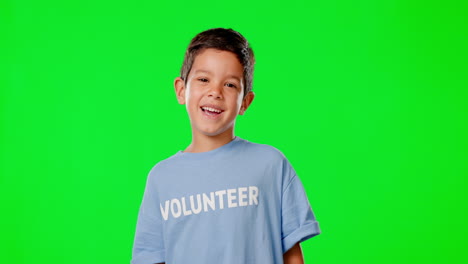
pixel 214 92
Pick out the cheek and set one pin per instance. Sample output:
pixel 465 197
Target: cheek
pixel 193 97
pixel 239 100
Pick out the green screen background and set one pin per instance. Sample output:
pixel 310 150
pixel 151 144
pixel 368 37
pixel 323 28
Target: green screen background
pixel 367 99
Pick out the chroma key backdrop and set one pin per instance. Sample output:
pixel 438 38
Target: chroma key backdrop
pixel 367 99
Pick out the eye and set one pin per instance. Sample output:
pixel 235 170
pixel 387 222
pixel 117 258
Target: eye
pixel 231 85
pixel 202 79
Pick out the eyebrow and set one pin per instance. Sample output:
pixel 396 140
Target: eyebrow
pixel 208 72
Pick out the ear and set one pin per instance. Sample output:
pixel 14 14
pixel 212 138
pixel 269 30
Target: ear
pixel 179 86
pixel 246 102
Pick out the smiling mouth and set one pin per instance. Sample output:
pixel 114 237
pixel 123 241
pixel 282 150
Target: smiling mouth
pixel 211 111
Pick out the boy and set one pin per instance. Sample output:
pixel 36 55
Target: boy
pixel 223 199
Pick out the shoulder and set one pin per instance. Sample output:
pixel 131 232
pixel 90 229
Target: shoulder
pixel 163 165
pixel 265 151
pixel 271 158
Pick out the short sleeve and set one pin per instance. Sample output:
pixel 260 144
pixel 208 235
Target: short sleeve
pixel 298 221
pixel 148 246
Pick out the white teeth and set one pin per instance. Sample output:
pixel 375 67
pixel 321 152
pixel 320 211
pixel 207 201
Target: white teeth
pixel 211 109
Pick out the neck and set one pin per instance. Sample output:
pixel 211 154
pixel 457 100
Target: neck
pixel 204 143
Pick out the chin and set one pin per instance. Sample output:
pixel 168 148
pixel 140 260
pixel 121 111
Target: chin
pixel 211 134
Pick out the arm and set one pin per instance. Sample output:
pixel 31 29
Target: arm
pixel 293 255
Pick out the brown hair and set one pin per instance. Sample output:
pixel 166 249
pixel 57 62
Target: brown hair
pixel 221 39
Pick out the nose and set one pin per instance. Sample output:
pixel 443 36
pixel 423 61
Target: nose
pixel 215 91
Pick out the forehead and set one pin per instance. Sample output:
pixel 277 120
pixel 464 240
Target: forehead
pixel 217 62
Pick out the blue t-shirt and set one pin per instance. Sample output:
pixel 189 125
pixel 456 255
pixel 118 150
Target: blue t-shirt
pixel 239 203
